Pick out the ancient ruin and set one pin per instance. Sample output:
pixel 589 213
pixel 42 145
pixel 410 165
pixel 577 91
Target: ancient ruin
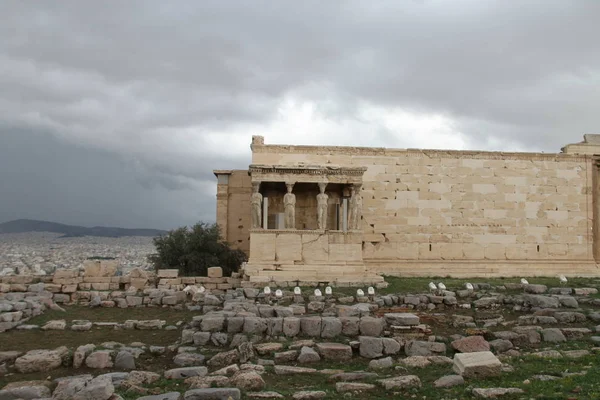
pixel 345 215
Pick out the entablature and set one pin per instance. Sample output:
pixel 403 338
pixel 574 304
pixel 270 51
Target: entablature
pixel 306 173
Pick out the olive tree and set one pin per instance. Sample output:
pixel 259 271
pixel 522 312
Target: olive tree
pixel 193 250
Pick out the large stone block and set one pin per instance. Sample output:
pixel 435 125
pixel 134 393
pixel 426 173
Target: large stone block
pixel 335 351
pixel 481 364
pixel 371 326
pixel 215 272
pixel 401 319
pixel 167 273
pixel 311 326
pixel 97 268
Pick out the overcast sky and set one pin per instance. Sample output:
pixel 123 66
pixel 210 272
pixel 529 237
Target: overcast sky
pixel 117 113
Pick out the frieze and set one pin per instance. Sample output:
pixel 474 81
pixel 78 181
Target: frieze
pixel 307 170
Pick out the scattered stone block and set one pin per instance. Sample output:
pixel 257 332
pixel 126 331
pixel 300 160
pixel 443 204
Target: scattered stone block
pixel 343 387
pixel 370 347
pixel 491 393
pixel 309 395
pixel 401 319
pixel 449 381
pixel 248 380
pixel 288 370
pixel 39 361
pixel 335 351
pixel 381 363
pixel 183 373
pixel 167 274
pixel 213 394
pixel 471 344
pixel 215 272
pixel 553 335
pixel 164 396
pixel 401 382
pixel 422 348
pixel 479 364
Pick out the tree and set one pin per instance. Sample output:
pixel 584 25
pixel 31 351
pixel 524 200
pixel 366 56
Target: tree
pixel 193 250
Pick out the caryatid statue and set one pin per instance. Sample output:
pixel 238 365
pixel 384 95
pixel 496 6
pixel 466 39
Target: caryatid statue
pixel 322 200
pixel 289 207
pixel 355 211
pixel 256 203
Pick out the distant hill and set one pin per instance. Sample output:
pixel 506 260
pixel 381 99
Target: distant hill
pixel 28 225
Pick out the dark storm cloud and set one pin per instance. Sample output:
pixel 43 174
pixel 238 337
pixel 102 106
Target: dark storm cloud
pixel 175 89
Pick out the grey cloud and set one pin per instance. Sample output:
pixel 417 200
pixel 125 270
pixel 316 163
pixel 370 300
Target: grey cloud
pixel 45 178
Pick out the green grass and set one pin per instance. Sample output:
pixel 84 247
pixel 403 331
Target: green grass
pixel 115 314
pixel 36 339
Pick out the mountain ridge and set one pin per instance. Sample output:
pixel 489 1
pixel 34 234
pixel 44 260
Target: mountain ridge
pixel 31 225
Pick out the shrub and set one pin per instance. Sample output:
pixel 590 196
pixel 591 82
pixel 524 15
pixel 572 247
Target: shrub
pixel 193 250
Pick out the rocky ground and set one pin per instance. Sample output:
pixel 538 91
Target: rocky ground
pixel 39 253
pixel 500 339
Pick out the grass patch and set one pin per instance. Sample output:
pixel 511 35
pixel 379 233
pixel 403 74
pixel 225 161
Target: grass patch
pixel 38 339
pixel 115 314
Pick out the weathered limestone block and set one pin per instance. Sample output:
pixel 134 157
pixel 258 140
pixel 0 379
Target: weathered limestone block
pixel 477 365
pixel 95 268
pixel 215 272
pixel 212 324
pixel 331 327
pixel 221 360
pixel 235 324
pixel 186 372
pixel 335 351
pixel 401 319
pixel 286 356
pixel 213 394
pixel 291 326
pixel 167 274
pixel 535 289
pixel 188 359
pixel 371 326
pixel 350 326
pixel 39 361
pixel 492 393
pixel 254 325
pixel 541 301
pixel 25 392
pixel 471 344
pixel 390 346
pixel 422 348
pixel 274 326
pixel 553 335
pixel 311 326
pixel 370 347
pixel 400 382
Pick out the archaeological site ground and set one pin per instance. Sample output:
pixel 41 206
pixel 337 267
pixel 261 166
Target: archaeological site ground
pixel 372 274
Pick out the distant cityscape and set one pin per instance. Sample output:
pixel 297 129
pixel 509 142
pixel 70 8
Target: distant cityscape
pixel 41 253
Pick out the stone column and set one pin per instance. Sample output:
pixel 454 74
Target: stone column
pixel 355 208
pixel 289 204
pixel 256 205
pixel 322 200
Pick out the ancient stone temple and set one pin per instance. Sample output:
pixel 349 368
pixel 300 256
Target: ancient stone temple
pixel 350 214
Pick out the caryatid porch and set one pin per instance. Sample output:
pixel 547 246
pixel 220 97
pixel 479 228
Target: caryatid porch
pixel 306 225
